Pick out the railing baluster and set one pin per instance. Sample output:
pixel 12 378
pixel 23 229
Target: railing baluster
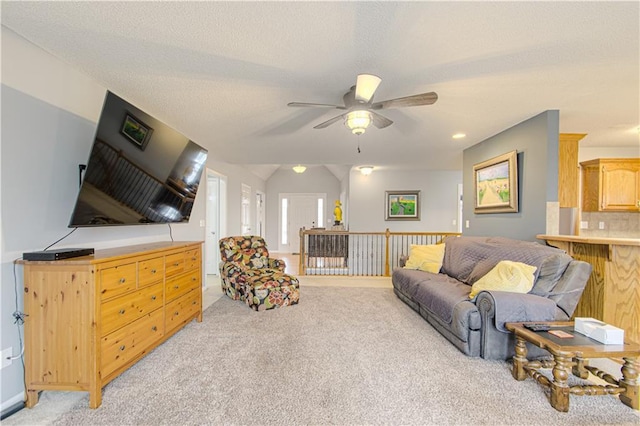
pixel 325 252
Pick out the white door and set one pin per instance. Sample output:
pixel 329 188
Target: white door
pixel 214 230
pixel 298 211
pixel 245 210
pixel 260 215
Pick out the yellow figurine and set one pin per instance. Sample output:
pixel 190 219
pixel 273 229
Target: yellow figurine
pixel 337 213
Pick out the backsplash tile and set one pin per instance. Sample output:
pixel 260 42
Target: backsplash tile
pixel 616 224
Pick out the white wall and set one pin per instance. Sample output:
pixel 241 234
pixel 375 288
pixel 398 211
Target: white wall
pixel 591 153
pixel 316 179
pixel 236 176
pixel 439 192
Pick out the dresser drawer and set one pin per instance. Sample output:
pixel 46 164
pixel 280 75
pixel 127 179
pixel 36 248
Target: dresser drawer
pixel 117 280
pixel 150 271
pixel 182 284
pixel 182 309
pixel 192 259
pixel 124 310
pixel 121 346
pixel 174 263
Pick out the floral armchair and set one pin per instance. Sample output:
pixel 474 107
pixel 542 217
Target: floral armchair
pixel 248 273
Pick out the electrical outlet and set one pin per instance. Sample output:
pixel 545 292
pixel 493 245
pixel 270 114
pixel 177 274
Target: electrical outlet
pixel 466 224
pixel 454 222
pixel 202 223
pixel 600 225
pixel 584 224
pixel 6 355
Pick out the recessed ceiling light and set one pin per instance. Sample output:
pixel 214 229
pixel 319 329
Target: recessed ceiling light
pixel 459 136
pixel 366 170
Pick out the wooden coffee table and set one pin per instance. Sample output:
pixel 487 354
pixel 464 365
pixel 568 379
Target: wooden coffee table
pixel 571 355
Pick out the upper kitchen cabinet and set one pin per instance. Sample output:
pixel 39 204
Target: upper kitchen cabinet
pixel 611 184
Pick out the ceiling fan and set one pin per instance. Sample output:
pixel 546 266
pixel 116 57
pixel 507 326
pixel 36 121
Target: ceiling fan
pixel 360 108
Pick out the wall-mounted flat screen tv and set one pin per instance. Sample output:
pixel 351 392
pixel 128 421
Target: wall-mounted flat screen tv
pixel 140 171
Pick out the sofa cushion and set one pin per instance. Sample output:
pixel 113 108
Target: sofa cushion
pixel 440 294
pixel 507 275
pixel 426 258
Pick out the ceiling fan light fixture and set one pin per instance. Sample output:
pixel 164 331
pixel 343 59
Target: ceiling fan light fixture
pixel 366 86
pixel 366 170
pixel 299 168
pixel 358 121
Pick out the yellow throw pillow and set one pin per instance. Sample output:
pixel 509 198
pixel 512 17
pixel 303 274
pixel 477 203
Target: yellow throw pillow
pixel 510 276
pixel 425 257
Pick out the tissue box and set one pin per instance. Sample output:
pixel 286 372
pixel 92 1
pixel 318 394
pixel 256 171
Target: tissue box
pixel 600 331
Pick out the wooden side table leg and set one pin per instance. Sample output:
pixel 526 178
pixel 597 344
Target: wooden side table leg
pixel 629 381
pixel 520 360
pixel 578 369
pixel 559 389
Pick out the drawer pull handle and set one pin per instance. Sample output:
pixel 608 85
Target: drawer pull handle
pixel 122 348
pixel 195 302
pixel 176 287
pixel 176 264
pixel 176 313
pixel 194 279
pixel 153 297
pixel 153 271
pixel 121 311
pixel 193 258
pixel 122 280
pixel 154 328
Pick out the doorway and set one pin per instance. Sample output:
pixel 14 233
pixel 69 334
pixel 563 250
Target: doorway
pixel 245 210
pixel 215 219
pixel 260 213
pixel 297 211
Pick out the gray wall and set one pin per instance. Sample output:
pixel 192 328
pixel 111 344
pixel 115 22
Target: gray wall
pixel 536 141
pixel 438 199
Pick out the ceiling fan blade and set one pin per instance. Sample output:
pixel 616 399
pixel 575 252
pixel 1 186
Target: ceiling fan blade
pixel 305 104
pixel 329 122
pixel 408 101
pixel 366 86
pixel 380 121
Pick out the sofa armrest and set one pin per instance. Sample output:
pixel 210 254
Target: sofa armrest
pixel 402 260
pixel 499 307
pixel 277 264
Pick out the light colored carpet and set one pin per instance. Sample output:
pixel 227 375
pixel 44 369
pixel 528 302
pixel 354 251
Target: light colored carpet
pixel 342 356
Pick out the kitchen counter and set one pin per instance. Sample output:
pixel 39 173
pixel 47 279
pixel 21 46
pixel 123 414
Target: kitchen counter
pixel 591 240
pixel 612 293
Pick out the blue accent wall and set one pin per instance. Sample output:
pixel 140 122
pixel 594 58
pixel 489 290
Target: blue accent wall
pixel 536 141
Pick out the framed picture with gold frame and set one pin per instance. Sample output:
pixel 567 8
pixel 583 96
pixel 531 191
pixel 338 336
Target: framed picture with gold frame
pixel 496 184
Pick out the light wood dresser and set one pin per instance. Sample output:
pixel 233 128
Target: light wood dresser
pixel 90 318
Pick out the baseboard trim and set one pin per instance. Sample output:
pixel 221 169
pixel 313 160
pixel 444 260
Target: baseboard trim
pixel 12 405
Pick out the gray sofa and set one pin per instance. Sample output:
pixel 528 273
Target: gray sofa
pixel 476 326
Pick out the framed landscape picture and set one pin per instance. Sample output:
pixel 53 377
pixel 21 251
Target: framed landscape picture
pixel 496 184
pixel 136 131
pixel 402 205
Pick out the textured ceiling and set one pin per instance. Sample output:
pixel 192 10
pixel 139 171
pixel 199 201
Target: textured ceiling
pixel 223 72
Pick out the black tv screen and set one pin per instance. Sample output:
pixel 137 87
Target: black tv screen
pixel 140 171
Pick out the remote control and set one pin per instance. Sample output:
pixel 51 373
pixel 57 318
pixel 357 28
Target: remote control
pixel 537 327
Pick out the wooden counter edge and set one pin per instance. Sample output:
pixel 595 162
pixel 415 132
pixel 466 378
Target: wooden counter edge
pixel 590 240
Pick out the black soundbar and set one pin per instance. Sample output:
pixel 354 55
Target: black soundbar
pixel 57 254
